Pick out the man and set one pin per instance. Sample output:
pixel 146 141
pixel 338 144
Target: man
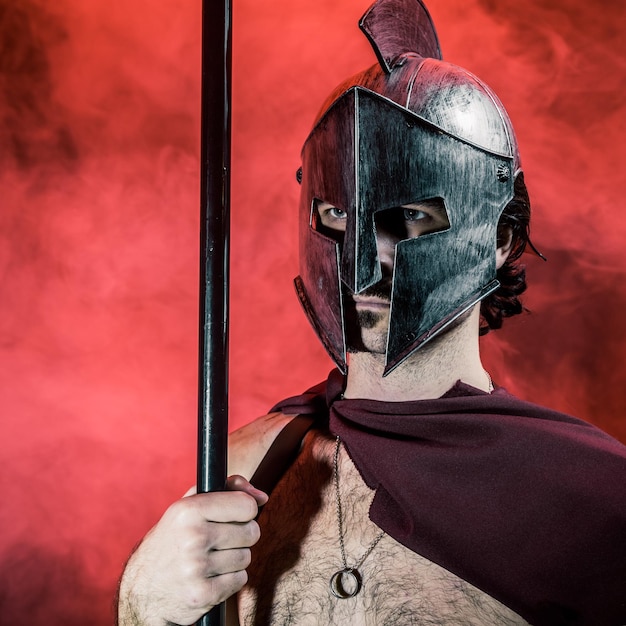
pixel 407 490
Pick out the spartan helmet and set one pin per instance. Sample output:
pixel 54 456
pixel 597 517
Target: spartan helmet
pixel 411 129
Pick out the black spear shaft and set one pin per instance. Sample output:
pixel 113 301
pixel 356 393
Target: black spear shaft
pixel 214 254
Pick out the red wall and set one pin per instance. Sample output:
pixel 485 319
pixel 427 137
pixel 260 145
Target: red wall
pixel 98 247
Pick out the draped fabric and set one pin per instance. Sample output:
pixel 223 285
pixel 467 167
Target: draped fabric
pixel 523 502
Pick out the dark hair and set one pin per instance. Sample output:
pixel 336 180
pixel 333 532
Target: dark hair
pixel 514 222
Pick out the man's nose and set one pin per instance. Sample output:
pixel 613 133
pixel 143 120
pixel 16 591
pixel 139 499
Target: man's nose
pixel 386 246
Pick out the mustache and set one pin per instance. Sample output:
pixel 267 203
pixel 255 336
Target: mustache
pixel 381 289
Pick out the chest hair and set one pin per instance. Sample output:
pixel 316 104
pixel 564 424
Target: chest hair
pixel 299 552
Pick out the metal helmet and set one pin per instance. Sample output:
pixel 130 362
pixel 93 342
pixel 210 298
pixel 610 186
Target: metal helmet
pixel 411 128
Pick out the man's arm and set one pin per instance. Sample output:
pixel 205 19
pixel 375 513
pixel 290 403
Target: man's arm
pixel 196 555
pixel 194 558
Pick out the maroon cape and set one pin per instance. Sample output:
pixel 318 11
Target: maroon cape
pixel 523 502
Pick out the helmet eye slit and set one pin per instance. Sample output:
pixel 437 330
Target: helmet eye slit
pixel 399 223
pixel 329 220
pixel 412 220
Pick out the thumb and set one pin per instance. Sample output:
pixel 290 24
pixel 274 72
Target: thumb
pixel 239 483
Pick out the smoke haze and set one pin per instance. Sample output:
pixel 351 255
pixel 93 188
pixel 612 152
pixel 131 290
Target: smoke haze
pixel 99 119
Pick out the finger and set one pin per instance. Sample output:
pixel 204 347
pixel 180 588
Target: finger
pixel 239 483
pixel 226 585
pixel 200 596
pixel 228 536
pixel 228 561
pixel 218 506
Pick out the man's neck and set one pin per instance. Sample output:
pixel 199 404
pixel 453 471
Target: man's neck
pixel 427 373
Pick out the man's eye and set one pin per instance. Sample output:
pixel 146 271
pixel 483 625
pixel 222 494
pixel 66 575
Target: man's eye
pixel 329 220
pixel 413 215
pixel 335 213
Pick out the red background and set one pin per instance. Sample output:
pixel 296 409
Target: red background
pixel 98 224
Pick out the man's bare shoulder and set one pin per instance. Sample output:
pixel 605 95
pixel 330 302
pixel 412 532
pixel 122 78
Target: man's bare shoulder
pixel 249 444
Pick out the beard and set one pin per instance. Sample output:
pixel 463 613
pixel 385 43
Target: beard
pixel 366 329
pixel 368 319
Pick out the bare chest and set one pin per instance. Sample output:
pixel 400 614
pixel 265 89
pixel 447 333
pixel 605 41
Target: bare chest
pixel 289 579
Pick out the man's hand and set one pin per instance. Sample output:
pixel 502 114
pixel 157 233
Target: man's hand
pixel 193 559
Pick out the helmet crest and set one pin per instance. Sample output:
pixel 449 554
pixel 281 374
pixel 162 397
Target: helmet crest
pixel 391 38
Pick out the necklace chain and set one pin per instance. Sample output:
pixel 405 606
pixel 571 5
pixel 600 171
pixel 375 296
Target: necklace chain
pixel 351 574
pixel 347 582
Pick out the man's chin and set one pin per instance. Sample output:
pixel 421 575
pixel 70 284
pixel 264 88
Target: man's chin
pixel 369 334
